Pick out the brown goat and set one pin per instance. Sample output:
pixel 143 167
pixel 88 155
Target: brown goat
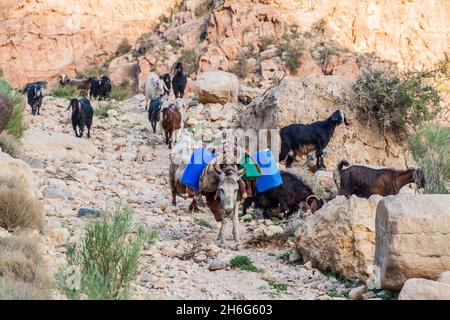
pixel 171 124
pixel 364 181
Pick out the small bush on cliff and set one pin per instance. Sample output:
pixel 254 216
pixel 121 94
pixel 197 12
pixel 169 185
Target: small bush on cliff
pixel 396 102
pixel 144 44
pixel 16 125
pixel 10 145
pixel 17 208
pixel 106 262
pixel 189 58
pixel 241 67
pixel 123 48
pixel 23 275
pixel 431 149
pixel 203 8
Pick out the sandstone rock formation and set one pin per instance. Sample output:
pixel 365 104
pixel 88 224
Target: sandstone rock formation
pixel 407 33
pixel 5 112
pixel 311 99
pixel 40 39
pixel 217 87
pixel 341 236
pixel 413 236
pixel 423 289
pixel 124 68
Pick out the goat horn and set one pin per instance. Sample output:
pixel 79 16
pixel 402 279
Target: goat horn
pixel 312 196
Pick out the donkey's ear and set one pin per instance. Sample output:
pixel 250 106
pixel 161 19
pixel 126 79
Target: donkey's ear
pixel 240 173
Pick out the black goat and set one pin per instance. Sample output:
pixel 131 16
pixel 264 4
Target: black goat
pixel 100 89
pixel 300 139
pixel 154 111
pixel 286 198
pixel 179 81
pixel 166 78
pixel 105 87
pixel 364 181
pixel 82 114
pixel 35 95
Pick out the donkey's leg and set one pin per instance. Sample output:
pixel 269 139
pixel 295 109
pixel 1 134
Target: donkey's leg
pixel 236 226
pixel 223 227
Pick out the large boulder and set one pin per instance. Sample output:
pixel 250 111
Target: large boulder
pixel 18 170
pixel 424 289
pixel 341 236
pixel 5 112
pixel 124 68
pixel 311 99
pixel 217 87
pixel 412 238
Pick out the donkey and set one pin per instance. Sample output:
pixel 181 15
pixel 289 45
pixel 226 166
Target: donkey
pixel 224 202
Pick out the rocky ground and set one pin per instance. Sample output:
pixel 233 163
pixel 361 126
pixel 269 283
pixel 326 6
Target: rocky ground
pixel 125 163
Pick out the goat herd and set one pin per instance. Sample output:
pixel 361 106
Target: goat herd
pixel 225 189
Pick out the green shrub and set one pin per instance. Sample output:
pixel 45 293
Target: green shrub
pixel 23 275
pixel 10 145
pixel 395 102
pixel 123 48
pixel 189 58
pixel 431 149
pixel 106 262
pixel 18 209
pixel 102 110
pixel 203 8
pixel 243 263
pixel 119 95
pixel 66 92
pixel 95 69
pixel 16 125
pixel 203 35
pixel 202 222
pixel 265 42
pixel 290 53
pixel 277 286
pixel 241 67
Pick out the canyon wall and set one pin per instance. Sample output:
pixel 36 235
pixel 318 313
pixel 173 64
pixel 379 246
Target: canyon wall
pixel 41 38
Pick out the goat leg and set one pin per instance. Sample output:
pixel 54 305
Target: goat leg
pixel 319 157
pixel 75 130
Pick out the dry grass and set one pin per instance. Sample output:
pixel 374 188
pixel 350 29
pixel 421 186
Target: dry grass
pixel 310 180
pixel 22 273
pixel 17 209
pixel 10 145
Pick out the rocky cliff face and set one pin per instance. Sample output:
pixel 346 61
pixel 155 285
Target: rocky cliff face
pixel 39 39
pixel 410 33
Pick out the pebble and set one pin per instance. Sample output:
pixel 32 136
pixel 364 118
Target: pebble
pixel 82 212
pixel 369 295
pixel 160 284
pixel 357 292
pixel 170 252
pixel 217 265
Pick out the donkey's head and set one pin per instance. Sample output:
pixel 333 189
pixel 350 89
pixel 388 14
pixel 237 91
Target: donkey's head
pixel 228 187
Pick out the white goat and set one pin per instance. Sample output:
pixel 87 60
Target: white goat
pixel 154 86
